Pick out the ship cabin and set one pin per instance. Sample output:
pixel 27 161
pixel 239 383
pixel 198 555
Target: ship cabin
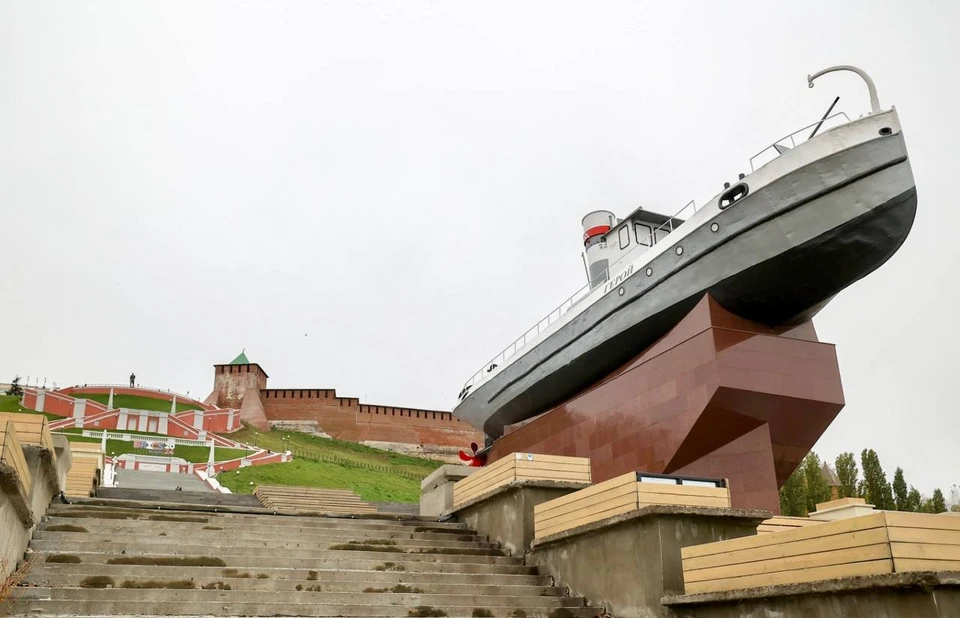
pixel 607 239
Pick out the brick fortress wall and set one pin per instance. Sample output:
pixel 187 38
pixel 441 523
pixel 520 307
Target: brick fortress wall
pixel 430 433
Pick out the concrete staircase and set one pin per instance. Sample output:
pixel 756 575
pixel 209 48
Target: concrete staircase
pixel 169 481
pixel 91 560
pixel 311 500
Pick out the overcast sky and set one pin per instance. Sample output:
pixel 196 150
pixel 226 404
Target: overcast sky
pixel 378 196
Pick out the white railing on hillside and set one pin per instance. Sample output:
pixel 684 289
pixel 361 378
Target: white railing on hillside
pixel 164 391
pixel 130 437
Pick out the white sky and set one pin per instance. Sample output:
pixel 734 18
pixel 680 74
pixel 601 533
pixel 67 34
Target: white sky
pixel 378 196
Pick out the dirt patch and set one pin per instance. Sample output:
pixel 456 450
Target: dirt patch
pixel 561 612
pixel 216 586
pixel 63 559
pixel 262 576
pixel 312 576
pixel 400 588
pixel 175 584
pixel 97 581
pixel 480 612
pixel 211 528
pixel 96 515
pixel 389 566
pixel 66 528
pixel 518 613
pixel 426 611
pixel 192 520
pixel 451 551
pixel 357 546
pixel 188 561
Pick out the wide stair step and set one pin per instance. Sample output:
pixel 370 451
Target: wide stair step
pixel 213 498
pixel 133 560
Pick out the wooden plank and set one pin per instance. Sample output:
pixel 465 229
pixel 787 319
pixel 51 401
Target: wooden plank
pixel 873 567
pixel 926 551
pixel 485 481
pixel 778 551
pixel 537 457
pixel 623 504
pixel 587 519
pixel 573 462
pixel 480 477
pixel 551 466
pixel 842 526
pixel 679 500
pixel 554 510
pixel 906 565
pixel 505 476
pixel 684 490
pixel 12 455
pixel 922 520
pixel 553 475
pixel 625 479
pixel 924 535
pixel 877 551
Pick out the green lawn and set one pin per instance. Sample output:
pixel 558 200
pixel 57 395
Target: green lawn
pixel 341 449
pixel 9 403
pixel 369 485
pixel 137 402
pixel 195 454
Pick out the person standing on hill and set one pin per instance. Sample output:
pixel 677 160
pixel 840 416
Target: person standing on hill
pixel 133 380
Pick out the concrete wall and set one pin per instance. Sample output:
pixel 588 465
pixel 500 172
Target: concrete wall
pixel 48 478
pixel 13 535
pixel 627 563
pixel 506 514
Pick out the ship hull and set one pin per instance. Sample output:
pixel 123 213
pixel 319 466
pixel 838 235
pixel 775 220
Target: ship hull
pixel 780 255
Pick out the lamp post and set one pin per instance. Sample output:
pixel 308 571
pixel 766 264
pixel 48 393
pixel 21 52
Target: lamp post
pixel 236 484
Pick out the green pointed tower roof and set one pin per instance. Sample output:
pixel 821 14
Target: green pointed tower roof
pixel 241 359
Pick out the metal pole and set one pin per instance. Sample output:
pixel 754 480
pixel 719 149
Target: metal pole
pixel 819 124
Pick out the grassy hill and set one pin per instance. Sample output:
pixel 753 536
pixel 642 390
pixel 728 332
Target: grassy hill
pixel 373 474
pixel 138 402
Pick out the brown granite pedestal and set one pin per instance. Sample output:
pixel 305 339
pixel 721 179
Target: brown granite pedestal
pixel 718 396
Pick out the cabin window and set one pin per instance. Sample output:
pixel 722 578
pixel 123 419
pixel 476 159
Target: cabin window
pixel 643 233
pixel 624 237
pixel 661 233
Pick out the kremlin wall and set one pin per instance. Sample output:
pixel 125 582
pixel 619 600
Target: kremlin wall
pixel 242 385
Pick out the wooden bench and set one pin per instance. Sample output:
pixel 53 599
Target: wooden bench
pixel 85 473
pixel 520 467
pixel 32 429
pixel 881 543
pixel 619 496
pixel 309 499
pixel 11 455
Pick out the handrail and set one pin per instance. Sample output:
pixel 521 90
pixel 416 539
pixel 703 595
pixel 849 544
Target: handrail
pixel 559 311
pixel 790 136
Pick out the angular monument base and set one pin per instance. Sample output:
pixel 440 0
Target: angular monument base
pixel 718 396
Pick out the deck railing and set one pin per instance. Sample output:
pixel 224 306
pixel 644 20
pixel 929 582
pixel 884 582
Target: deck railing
pixel 534 332
pixel 791 141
